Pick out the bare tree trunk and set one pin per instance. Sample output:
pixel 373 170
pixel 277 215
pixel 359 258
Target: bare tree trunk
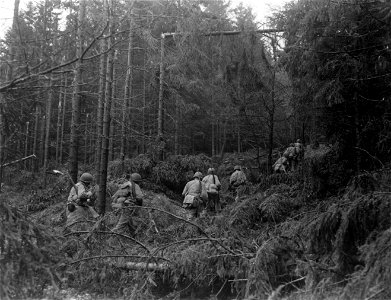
pixel 213 138
pixel 176 137
pixel 128 90
pixel 41 153
pixel 224 140
pixel 86 138
pixel 160 137
pixel 272 111
pixel 75 122
pixel 106 115
pixel 26 143
pixel 144 103
pixel 47 131
pixel 35 142
pixel 58 125
pixel 63 120
pixel 99 114
pixel 1 137
pixel 112 111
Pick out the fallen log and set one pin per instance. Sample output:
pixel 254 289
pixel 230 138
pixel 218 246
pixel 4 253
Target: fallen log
pixel 145 266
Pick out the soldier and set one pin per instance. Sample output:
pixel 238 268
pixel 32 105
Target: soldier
pixel 237 179
pixel 81 202
pixel 299 148
pixel 290 154
pixel 213 185
pixel 195 195
pixel 128 195
pixel 280 165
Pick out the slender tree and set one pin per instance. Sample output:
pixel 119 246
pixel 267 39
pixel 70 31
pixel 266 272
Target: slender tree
pixel 107 110
pixel 77 81
pixel 128 89
pixel 101 96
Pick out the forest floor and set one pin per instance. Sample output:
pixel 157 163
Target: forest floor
pixel 285 239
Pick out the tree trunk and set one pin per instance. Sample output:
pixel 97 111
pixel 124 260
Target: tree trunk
pixel 176 138
pixel 128 91
pixel 106 116
pixel 144 103
pixel 35 142
pixel 86 138
pixel 26 143
pixel 1 137
pixel 58 124
pixel 272 112
pixel 101 96
pixel 63 120
pixel 75 121
pixel 47 131
pixel 41 153
pixel 112 110
pixel 160 137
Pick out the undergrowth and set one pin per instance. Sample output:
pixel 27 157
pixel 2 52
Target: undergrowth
pixel 279 240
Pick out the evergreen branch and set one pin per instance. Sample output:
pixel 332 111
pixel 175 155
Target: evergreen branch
pixel 115 255
pixel 114 233
pixel 24 77
pixel 186 221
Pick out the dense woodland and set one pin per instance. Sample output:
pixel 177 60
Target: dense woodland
pixel 166 88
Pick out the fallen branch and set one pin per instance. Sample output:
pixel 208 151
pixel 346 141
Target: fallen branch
pixel 113 233
pixel 186 221
pixel 19 160
pixel 116 256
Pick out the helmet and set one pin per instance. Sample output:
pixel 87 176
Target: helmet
pixel 237 167
pixel 211 171
pixel 197 175
pixel 86 178
pixel 136 177
pixel 298 141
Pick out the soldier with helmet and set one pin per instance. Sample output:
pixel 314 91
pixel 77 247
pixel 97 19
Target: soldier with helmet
pixel 299 148
pixel 80 204
pixel 237 179
pixel 213 185
pixel 195 196
pixel 126 198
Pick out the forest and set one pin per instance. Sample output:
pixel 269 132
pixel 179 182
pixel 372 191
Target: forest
pixel 168 88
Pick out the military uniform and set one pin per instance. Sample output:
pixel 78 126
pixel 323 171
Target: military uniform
pixel 193 191
pixel 123 198
pixel 82 200
pixel 237 181
pixel 212 184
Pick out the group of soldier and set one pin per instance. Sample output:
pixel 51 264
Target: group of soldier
pixel 201 195
pixel 81 200
pixel 290 158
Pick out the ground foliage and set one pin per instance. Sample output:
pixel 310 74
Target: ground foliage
pixel 280 240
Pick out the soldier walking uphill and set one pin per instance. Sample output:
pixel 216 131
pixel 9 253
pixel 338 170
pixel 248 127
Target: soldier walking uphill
pixel 128 196
pixel 195 195
pixel 237 181
pixel 290 154
pixel 213 185
pixel 80 204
